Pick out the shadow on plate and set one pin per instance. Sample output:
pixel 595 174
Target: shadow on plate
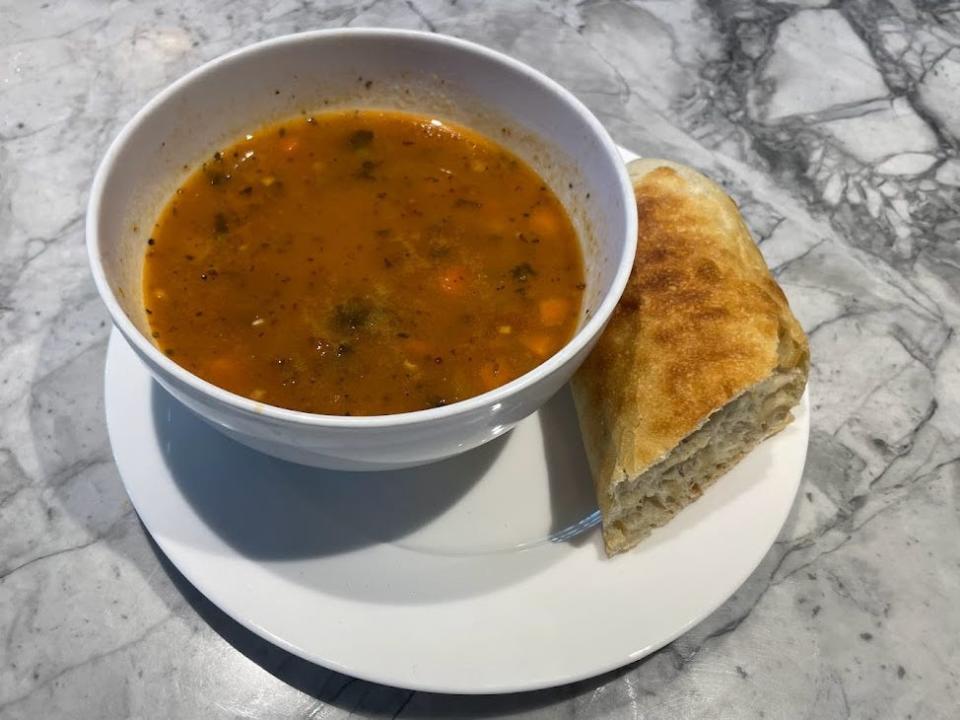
pixel 269 509
pixel 572 500
pixel 309 525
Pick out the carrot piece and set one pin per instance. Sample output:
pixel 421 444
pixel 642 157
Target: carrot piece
pixel 553 311
pixel 544 222
pixel 222 364
pixel 224 370
pixel 453 279
pixel 539 345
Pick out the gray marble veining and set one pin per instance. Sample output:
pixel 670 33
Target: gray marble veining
pixel 834 124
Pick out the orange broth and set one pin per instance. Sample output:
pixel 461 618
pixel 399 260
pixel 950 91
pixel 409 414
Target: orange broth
pixel 362 262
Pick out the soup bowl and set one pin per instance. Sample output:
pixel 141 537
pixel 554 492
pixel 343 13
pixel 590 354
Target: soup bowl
pixel 425 73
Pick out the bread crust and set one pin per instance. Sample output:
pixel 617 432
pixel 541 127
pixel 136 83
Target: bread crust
pixel 701 321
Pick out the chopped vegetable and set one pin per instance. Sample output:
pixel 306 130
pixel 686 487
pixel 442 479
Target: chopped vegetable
pixel 220 224
pixel 544 222
pixel 522 272
pixel 361 138
pixel 539 345
pixel 224 369
pixel 352 315
pixel 366 170
pixel 553 311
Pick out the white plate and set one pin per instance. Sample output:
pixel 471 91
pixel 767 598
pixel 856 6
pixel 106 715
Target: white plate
pixel 480 574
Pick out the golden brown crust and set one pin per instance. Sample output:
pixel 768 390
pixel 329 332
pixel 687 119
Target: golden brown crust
pixel 701 321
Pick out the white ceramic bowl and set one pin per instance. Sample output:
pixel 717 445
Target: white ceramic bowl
pixel 420 72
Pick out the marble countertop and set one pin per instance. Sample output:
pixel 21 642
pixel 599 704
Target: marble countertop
pixel 836 127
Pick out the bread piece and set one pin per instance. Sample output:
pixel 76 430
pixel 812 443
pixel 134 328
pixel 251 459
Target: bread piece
pixel 702 358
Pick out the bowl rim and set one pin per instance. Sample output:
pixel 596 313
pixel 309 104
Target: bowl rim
pixel 583 337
